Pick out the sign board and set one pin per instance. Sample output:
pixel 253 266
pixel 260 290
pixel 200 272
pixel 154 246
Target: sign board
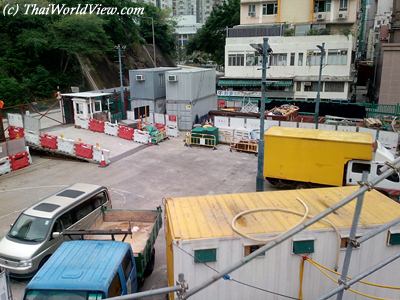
pixel 3 286
pixel 188 107
pixel 15 120
pixel 221 121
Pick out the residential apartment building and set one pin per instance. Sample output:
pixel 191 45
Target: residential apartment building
pixel 294 29
pixel 163 4
pixel 335 15
pixel 199 8
pixel 389 92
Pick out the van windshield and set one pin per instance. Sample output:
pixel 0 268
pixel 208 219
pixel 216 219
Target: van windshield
pixel 30 229
pixel 62 295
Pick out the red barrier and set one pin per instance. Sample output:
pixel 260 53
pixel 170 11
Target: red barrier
pixel 15 132
pixel 125 132
pixel 48 141
pixel 84 150
pixel 159 126
pixel 19 160
pixel 96 125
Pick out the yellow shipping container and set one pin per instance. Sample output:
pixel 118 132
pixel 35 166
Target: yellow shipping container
pixel 315 156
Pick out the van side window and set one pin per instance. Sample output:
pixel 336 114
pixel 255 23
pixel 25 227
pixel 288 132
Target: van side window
pixel 115 287
pixel 393 178
pixel 127 264
pixel 57 226
pixel 359 167
pixel 82 210
pixel 66 220
pixel 99 199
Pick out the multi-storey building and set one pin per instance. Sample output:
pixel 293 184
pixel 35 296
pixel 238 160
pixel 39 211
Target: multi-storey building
pixel 163 4
pixel 199 8
pixel 294 28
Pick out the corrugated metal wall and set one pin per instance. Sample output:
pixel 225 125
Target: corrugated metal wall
pixel 278 270
pixel 191 84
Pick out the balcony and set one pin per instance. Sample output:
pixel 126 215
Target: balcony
pixel 253 31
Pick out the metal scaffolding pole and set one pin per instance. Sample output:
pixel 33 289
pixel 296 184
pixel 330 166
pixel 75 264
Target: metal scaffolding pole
pixel 360 276
pixel 387 170
pixel 377 231
pixel 352 238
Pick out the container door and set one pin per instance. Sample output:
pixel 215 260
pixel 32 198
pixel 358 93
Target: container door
pixel 80 109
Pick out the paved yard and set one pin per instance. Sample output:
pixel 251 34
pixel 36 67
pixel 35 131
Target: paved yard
pixel 140 180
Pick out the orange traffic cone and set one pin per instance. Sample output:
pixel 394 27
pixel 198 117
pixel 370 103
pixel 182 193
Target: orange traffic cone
pixel 103 162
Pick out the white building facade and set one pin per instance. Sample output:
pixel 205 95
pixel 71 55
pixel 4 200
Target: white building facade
pixel 293 66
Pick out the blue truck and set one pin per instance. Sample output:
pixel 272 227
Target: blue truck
pixel 96 267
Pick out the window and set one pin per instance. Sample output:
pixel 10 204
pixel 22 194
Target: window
pixel 303 247
pixel 82 210
pixel 313 58
pixel 359 168
pixel 393 178
pixel 342 4
pixel 344 242
pixel 99 199
pixel 393 237
pixel 300 62
pixel 66 220
pixel 30 229
pixel 298 86
pixel 141 112
pixel 322 6
pixel 253 59
pixel 270 8
pixel 252 10
pixel 334 87
pixel 127 265
pixel 97 106
pixel 292 58
pixel 337 57
pixel 251 248
pixel 115 287
pixel 205 255
pixel 278 59
pixel 311 86
pixel 236 59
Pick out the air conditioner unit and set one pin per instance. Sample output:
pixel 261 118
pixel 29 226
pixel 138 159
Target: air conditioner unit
pixel 139 78
pixel 320 17
pixel 252 14
pixel 172 78
pixel 342 16
pixel 307 83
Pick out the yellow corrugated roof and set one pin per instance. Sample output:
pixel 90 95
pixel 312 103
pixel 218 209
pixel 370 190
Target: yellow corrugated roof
pixel 210 216
pixel 317 134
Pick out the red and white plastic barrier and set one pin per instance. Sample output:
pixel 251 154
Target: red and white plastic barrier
pixel 66 145
pixel 82 122
pixel 32 138
pixel 96 125
pixel 84 150
pixel 15 132
pixel 111 129
pixel 48 141
pixel 5 166
pixel 141 137
pixel 125 132
pixel 19 160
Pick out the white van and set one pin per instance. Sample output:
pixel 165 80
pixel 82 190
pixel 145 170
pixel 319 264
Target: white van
pixel 36 234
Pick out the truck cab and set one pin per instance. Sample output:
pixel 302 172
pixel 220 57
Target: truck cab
pixel 355 168
pixel 85 270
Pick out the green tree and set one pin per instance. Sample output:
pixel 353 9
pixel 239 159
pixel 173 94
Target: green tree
pixel 211 37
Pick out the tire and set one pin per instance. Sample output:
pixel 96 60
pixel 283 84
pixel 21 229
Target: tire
pixel 150 266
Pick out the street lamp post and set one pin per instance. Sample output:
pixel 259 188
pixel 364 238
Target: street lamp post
pixel 121 48
pixel 318 100
pixel 264 50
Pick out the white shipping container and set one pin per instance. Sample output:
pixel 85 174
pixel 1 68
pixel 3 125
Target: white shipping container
pixel 200 227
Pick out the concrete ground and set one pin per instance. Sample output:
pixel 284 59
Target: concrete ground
pixel 138 181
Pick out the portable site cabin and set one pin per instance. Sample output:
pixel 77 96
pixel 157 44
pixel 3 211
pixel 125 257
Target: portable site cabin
pixel 198 230
pixel 84 105
pixel 190 95
pixel 148 91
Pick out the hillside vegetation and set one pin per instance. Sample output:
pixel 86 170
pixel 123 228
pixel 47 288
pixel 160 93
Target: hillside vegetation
pixel 40 53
